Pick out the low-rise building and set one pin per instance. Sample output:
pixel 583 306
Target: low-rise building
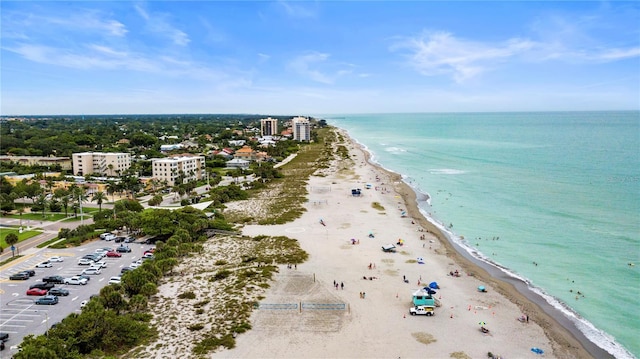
pixel 63 162
pixel 169 170
pixel 104 163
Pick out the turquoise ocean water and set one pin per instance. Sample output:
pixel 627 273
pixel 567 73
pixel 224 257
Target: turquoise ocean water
pixel 552 198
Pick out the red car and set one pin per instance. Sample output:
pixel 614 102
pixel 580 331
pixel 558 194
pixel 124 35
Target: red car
pixel 36 291
pixel 114 254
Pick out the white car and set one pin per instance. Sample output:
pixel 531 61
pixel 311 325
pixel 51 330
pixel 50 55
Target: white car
pixel 45 264
pixel 107 236
pixel 99 265
pixel 115 280
pixel 91 271
pixel 56 259
pixel 75 281
pixel 134 265
pixel 85 261
pixel 84 303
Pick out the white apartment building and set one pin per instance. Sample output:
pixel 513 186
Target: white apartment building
pixel 170 168
pixel 268 127
pixel 301 129
pixel 102 163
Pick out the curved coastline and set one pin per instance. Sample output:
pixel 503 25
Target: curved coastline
pixel 561 330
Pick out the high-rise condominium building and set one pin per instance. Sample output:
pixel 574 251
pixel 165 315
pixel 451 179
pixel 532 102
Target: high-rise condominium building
pixel 268 127
pixel 301 129
pixel 100 163
pixel 170 169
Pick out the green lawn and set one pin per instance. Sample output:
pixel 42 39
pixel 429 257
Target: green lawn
pixel 21 236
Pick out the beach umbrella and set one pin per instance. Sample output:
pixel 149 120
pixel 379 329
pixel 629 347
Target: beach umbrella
pixel 434 285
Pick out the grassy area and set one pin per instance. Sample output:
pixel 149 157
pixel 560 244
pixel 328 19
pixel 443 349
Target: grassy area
pixel 37 216
pixel 21 236
pixel 76 219
pixel 10 259
pixel 283 198
pixel 51 241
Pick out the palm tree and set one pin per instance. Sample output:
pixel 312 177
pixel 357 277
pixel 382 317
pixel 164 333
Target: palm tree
pixel 78 196
pixel 65 204
pixel 41 200
pixel 20 211
pixel 98 197
pixel 112 188
pixel 11 239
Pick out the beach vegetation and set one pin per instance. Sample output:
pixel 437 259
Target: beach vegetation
pixel 463 355
pixel 194 327
pixel 378 206
pixel 424 338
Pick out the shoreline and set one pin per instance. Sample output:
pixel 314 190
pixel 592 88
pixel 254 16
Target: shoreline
pixel 380 325
pixel 562 332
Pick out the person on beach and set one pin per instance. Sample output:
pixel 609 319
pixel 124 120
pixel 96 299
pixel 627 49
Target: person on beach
pixel 342 285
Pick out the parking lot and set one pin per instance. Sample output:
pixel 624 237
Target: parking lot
pixel 20 315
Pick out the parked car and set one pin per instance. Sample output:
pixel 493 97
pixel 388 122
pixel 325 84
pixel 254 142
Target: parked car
pixel 53 279
pixel 4 337
pixel 115 280
pixel 36 291
pixel 125 269
pixel 58 292
pixel 45 264
pixel 76 280
pixel 30 272
pixel 47 300
pixel 91 271
pixel 427 310
pixel 85 261
pixel 129 239
pixel 123 249
pixel 45 286
pixel 99 265
pixel 119 239
pixel 87 277
pixel 93 256
pixel 56 259
pixel 19 276
pixel 114 254
pixel 107 236
pixel 84 303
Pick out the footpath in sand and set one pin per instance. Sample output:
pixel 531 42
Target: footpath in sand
pixel 339 322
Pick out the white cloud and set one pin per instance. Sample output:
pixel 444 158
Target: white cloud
pixel 263 57
pixel 617 54
pixel 158 23
pixel 296 9
pixel 441 53
pixel 317 67
pixel 304 64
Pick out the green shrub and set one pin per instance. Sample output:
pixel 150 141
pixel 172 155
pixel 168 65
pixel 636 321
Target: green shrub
pixel 187 295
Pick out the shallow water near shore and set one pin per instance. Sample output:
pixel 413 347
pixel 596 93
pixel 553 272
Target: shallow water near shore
pixel 554 198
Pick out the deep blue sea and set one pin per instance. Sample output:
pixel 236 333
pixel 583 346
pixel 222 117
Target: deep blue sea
pixel 554 197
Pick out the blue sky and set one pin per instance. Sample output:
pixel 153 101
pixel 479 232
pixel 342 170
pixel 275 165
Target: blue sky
pixel 317 57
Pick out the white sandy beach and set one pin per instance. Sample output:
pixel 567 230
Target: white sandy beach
pixel 378 326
